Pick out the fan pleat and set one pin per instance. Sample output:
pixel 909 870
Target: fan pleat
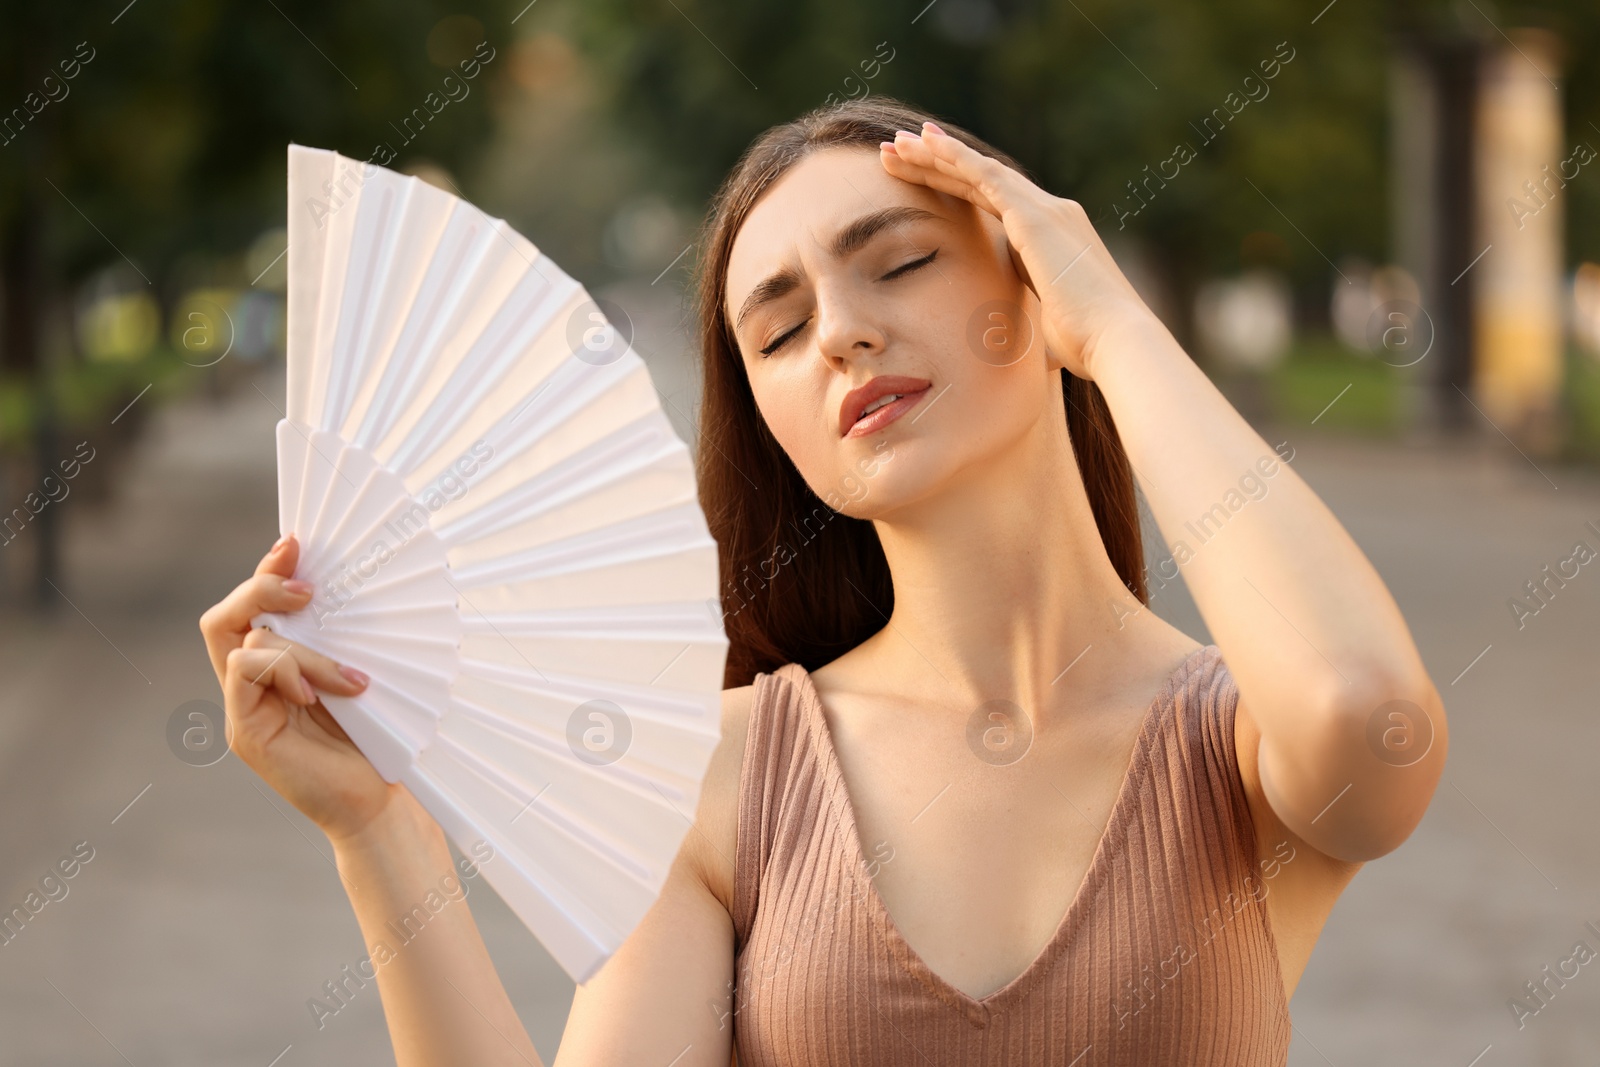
pixel 532 306
pixel 561 388
pixel 439 306
pixel 594 467
pixel 577 935
pixel 355 328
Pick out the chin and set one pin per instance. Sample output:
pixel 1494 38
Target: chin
pixel 878 481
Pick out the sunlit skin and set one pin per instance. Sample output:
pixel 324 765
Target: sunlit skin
pixel 1001 585
pixel 888 309
pixel 1001 579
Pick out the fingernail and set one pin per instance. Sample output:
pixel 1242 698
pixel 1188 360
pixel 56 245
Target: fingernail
pixel 279 543
pixel 354 676
pixel 903 133
pixel 298 586
pixel 932 126
pixel 311 694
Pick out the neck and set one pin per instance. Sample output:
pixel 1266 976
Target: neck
pixel 1001 581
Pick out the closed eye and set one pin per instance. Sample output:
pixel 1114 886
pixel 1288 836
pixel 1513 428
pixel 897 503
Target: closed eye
pixel 898 272
pixel 915 264
pixel 783 339
pixel 780 342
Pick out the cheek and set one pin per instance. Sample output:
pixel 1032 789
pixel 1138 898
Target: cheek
pixel 1000 408
pixel 793 413
pixel 1009 401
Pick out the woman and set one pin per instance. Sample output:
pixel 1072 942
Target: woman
pixel 972 802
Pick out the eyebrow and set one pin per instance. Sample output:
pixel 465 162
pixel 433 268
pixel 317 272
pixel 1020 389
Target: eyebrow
pixel 851 238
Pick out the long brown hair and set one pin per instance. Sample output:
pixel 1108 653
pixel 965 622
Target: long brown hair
pixel 802 582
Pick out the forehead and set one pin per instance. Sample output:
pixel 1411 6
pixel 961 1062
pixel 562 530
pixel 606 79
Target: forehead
pixel 812 202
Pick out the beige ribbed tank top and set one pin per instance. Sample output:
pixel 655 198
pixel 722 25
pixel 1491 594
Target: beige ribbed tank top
pixel 1164 957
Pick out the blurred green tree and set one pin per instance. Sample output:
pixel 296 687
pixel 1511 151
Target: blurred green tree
pixel 1290 170
pixel 152 130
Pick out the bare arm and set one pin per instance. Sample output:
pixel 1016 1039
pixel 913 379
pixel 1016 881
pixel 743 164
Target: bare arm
pixel 1316 643
pixel 442 996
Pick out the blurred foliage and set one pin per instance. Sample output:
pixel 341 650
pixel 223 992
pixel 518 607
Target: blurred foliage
pixel 1582 399
pixel 1086 94
pixel 169 141
pixel 168 144
pixel 559 170
pixel 86 395
pixel 1311 384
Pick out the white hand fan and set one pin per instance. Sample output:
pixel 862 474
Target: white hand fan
pixel 503 532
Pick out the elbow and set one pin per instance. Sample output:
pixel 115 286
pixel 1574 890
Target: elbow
pixel 1399 717
pixel 1393 731
pixel 1361 784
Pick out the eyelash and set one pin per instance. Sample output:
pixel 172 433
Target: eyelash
pixel 898 272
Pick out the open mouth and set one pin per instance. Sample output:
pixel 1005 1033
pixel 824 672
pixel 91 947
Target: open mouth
pixel 886 409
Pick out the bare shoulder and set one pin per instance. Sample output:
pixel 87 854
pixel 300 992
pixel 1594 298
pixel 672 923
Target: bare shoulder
pixel 709 847
pixel 1301 883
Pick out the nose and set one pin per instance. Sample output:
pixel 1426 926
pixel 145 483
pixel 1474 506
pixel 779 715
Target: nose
pixel 847 326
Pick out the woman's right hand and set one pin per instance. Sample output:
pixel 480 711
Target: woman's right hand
pixel 276 724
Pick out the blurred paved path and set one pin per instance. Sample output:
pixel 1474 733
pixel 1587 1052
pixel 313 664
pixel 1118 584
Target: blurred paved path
pixel 211 912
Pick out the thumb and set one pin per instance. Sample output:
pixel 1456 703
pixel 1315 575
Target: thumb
pixel 281 557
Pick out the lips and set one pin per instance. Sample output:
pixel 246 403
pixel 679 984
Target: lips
pixel 851 421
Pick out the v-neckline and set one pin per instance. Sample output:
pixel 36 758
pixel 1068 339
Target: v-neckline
pixel 979 1010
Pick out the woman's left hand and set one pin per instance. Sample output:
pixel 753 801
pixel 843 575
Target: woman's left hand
pixel 1082 292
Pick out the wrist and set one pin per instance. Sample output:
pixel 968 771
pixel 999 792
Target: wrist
pixel 402 826
pixel 1134 344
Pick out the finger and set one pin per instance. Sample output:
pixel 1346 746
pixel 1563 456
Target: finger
pixel 248 677
pixel 221 624
pixel 914 150
pixel 898 163
pixel 323 672
pixel 912 161
pixel 225 624
pixel 1000 184
pixel 281 557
